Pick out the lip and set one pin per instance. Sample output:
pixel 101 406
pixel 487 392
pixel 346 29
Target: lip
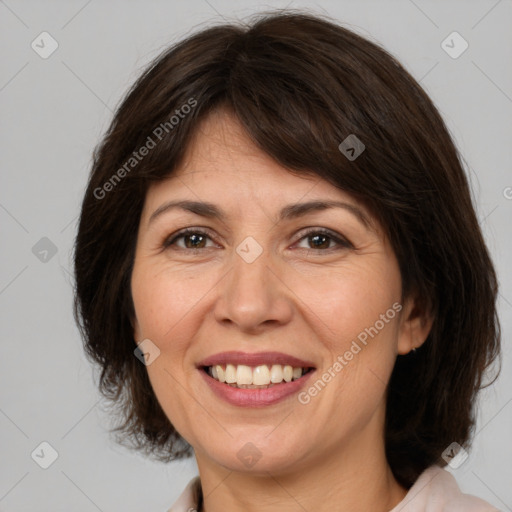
pixel 254 359
pixel 255 397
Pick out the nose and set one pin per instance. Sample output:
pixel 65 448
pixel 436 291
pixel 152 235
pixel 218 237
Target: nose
pixel 254 295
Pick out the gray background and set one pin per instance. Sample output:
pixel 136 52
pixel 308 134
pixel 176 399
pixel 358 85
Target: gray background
pixel 54 111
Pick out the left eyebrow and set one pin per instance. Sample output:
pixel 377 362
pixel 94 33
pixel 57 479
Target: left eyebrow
pixel 291 211
pixel 294 211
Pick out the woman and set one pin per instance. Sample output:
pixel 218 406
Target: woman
pixel 279 269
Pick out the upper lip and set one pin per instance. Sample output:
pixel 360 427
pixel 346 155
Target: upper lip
pixel 254 359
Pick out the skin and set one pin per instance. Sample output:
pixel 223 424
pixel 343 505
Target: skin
pixel 294 298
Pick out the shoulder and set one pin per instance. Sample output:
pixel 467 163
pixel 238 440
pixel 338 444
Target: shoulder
pixel 436 490
pixel 189 499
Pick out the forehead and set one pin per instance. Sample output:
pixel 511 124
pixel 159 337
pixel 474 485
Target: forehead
pixel 231 176
pixel 222 158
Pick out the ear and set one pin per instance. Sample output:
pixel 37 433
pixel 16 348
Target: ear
pixel 136 329
pixel 415 325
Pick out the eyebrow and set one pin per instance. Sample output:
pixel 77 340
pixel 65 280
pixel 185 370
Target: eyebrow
pixel 291 211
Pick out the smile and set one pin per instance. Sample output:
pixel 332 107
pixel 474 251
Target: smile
pixel 258 377
pixel 255 380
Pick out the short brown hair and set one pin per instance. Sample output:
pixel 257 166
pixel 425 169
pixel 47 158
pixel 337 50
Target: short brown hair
pixel 300 84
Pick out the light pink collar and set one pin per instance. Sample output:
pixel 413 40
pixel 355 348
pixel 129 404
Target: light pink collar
pixel 435 490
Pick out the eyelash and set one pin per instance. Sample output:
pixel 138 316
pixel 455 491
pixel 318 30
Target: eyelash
pixel 342 242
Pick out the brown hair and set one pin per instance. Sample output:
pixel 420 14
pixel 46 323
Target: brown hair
pixel 300 85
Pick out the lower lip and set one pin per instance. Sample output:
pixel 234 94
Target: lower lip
pixel 255 397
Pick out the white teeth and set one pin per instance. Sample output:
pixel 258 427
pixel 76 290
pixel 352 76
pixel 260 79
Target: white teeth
pixel 230 374
pixel 263 376
pixel 276 373
pixel 297 372
pixel 243 374
pixel 221 375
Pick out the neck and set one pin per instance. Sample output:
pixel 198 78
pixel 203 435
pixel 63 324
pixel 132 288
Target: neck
pixel 352 476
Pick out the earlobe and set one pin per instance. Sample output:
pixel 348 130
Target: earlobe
pixel 136 329
pixel 415 325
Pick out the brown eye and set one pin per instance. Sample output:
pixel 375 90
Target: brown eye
pixel 192 239
pixel 196 241
pixel 321 240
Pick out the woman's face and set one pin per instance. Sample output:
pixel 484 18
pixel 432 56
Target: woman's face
pixel 321 285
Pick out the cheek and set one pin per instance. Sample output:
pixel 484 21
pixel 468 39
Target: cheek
pixel 344 303
pixel 163 299
pixel 163 302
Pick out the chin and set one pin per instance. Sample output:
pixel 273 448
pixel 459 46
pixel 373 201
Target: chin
pixel 257 455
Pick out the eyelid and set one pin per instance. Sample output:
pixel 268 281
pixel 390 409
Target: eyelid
pixel 340 239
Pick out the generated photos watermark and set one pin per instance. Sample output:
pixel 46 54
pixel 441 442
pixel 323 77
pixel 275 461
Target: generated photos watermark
pixel 304 397
pixel 152 141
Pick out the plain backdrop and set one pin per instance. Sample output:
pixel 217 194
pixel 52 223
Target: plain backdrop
pixel 54 111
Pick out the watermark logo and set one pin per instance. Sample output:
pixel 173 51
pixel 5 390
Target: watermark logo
pixel 146 352
pixel 44 250
pixel 44 455
pixel 454 45
pixel 352 147
pixel 249 250
pixel 44 45
pixel 455 455
pixel 249 455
